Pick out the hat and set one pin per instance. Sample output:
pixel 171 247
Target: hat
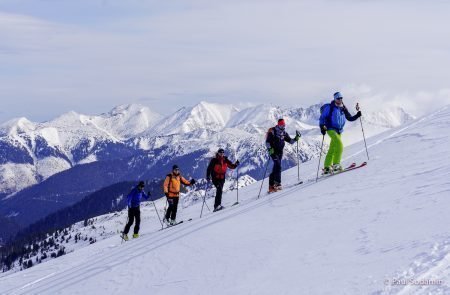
pixel 175 167
pixel 220 151
pixel 338 95
pixel 141 184
pixel 281 122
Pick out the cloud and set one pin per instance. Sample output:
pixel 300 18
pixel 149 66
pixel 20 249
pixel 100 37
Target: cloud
pixel 285 52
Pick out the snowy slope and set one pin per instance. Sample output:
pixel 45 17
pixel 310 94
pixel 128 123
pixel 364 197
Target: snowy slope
pixel 355 233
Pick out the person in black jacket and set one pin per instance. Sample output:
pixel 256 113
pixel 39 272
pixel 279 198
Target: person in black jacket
pixel 276 137
pixel 216 171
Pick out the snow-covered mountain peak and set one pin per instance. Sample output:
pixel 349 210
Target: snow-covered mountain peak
pixel 204 115
pixel 126 121
pixel 210 115
pixel 17 126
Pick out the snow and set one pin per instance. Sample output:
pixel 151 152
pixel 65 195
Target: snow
pixel 15 177
pixel 49 166
pixel 361 232
pixel 51 135
pixel 204 115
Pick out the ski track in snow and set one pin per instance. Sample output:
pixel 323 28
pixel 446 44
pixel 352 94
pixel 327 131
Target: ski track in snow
pixel 120 265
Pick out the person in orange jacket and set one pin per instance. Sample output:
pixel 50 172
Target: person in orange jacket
pixel 172 185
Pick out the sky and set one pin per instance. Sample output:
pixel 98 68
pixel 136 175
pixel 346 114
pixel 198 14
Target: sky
pixel 91 55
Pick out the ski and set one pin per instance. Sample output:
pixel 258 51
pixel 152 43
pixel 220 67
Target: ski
pixel 179 222
pixel 236 203
pixel 353 166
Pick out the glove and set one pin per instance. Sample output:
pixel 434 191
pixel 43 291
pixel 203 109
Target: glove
pixel 323 129
pixel 192 181
pixel 358 114
pixel 167 195
pixel 271 151
pixel 297 135
pixel 237 163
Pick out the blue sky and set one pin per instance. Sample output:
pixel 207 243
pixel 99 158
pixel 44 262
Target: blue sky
pixel 90 56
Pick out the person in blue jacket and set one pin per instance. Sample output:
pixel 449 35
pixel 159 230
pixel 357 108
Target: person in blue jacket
pixel 332 121
pixel 133 202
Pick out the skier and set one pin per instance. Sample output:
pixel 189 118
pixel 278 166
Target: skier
pixel 332 121
pixel 133 201
pixel 172 185
pixel 275 140
pixel 216 171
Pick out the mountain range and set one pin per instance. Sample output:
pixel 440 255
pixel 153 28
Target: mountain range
pixel 47 166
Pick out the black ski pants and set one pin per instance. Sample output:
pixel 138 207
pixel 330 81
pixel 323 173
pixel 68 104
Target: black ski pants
pixel 171 212
pixel 275 176
pixel 133 213
pixel 218 183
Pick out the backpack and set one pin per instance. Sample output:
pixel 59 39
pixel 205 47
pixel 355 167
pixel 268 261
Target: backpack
pixel 330 113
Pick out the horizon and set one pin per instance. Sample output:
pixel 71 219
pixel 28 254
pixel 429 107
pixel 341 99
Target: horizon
pixel 239 106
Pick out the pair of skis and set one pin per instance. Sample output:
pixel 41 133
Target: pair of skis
pixel 351 167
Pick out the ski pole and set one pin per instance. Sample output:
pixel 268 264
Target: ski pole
pixel 298 159
pixel 156 209
pixel 262 182
pixel 237 186
pixel 122 235
pixel 320 158
pixel 204 201
pixel 364 136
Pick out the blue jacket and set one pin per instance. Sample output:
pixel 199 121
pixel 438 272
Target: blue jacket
pixel 134 198
pixel 335 120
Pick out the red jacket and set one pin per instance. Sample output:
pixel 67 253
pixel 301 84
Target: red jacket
pixel 217 167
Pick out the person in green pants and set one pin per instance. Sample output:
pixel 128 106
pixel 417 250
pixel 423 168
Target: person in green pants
pixel 332 121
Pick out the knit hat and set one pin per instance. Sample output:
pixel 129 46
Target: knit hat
pixel 221 151
pixel 175 167
pixel 338 95
pixel 281 122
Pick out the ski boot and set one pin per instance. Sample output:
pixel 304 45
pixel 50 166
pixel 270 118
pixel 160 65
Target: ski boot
pixel 272 189
pixel 166 221
pixel 218 208
pixel 327 170
pixel 135 236
pixel 173 222
pixel 278 186
pixel 337 168
pixel 125 237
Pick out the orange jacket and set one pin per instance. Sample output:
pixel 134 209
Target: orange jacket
pixel 172 185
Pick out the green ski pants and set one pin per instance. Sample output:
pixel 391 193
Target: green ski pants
pixel 336 148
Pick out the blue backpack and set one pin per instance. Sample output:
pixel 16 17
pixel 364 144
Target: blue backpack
pixel 330 113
